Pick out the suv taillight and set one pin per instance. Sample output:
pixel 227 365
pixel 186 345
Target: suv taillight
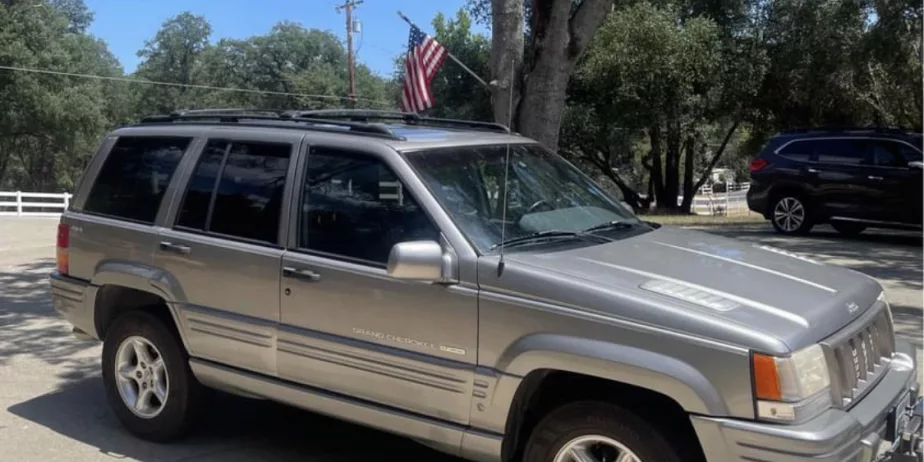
pixel 64 241
pixel 758 165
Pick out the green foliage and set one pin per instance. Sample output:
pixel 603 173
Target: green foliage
pixel 458 95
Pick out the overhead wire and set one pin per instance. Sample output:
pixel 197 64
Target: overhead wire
pixel 187 85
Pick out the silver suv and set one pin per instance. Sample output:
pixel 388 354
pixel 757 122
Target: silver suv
pixel 460 285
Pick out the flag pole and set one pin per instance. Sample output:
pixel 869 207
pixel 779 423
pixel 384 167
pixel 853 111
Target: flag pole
pixel 450 55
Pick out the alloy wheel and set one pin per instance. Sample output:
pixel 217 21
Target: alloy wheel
pixel 595 448
pixel 789 214
pixel 141 377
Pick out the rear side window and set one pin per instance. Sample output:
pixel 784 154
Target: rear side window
pixel 842 151
pixel 134 177
pixel 885 153
pixel 237 190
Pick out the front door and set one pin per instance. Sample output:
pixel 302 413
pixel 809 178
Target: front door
pixel 348 327
pixel 222 252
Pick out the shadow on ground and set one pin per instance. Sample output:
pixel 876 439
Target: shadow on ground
pixel 30 327
pixel 234 429
pixel 882 254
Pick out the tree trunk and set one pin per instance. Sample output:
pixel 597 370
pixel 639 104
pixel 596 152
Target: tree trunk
pixel 506 56
pixel 688 191
pixel 561 31
pixel 671 166
pixel 654 134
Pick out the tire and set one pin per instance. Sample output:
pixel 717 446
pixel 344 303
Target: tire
pixel 790 214
pixel 847 228
pixel 183 395
pixel 598 421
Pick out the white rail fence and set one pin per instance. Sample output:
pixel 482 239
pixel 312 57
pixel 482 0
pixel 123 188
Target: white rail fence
pixel 30 204
pixel 18 203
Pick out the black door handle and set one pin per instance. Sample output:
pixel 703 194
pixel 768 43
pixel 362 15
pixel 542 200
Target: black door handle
pixel 175 248
pixel 300 273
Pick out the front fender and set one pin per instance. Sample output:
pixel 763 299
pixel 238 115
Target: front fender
pixel 633 366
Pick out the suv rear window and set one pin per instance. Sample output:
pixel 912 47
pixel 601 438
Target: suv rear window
pixel 134 177
pixel 237 190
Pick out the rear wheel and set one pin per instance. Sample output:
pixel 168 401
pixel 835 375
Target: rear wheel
pixel 790 215
pixel 597 432
pixel 847 228
pixel 149 384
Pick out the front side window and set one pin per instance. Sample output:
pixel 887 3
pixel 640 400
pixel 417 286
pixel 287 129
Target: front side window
pixel 544 194
pixel 133 179
pixel 884 153
pixel 237 190
pixel 353 206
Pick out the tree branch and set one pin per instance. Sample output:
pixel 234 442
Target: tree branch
pixel 717 156
pixel 584 23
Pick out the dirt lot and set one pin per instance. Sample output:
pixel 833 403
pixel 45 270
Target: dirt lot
pixel 52 406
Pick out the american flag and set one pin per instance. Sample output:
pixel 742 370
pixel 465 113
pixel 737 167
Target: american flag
pixel 424 57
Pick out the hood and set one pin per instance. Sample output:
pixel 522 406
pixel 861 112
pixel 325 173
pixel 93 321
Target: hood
pixel 790 297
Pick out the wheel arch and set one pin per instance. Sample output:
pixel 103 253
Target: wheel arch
pixel 552 360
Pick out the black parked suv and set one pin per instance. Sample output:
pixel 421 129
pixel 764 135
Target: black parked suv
pixel 850 178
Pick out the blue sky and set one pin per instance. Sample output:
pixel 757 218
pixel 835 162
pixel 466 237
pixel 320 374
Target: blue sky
pixel 126 24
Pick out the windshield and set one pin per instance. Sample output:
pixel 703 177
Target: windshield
pixel 545 194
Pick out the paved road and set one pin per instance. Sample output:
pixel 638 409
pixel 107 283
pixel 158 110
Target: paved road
pixel 52 406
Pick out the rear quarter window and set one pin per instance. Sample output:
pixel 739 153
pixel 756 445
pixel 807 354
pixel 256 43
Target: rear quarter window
pixel 134 177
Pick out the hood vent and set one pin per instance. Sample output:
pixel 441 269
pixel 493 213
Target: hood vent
pixel 690 294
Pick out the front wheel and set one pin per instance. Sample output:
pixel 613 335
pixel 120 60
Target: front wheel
pixel 597 432
pixel 149 384
pixel 791 215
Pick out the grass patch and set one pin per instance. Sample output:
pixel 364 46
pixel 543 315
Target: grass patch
pixel 752 219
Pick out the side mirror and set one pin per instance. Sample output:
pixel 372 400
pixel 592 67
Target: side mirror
pixel 916 164
pixel 421 261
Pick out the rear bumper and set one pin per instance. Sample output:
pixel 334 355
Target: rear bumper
pixel 69 297
pixel 758 199
pixel 836 435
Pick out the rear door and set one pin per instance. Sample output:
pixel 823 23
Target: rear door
pixel 839 171
pixel 223 248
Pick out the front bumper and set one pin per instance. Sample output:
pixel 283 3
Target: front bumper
pixel 856 434
pixel 72 298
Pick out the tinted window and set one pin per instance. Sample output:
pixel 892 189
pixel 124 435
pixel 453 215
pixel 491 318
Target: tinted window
pixel 249 196
pixel 354 206
pixel 884 153
pixel 909 154
pixel 134 177
pixel 841 151
pixel 798 150
pixel 199 192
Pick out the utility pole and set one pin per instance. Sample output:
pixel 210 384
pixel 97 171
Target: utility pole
pixel 348 5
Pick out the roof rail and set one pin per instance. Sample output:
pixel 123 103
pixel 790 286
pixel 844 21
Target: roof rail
pixel 410 118
pixel 284 120
pixel 836 128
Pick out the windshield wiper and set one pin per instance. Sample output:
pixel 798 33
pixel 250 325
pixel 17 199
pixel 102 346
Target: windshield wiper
pixel 552 233
pixel 610 225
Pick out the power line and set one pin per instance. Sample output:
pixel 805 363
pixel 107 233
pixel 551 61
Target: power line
pixel 185 85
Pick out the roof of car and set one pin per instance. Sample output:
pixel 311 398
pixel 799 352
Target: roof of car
pixel 401 131
pixel 825 132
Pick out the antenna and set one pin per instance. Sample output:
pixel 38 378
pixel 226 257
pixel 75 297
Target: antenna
pixel 500 263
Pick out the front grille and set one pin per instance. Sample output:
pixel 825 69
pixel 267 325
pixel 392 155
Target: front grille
pixel 861 357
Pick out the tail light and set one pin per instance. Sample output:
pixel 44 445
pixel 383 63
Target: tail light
pixel 63 254
pixel 758 165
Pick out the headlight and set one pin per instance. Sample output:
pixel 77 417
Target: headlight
pixel 792 389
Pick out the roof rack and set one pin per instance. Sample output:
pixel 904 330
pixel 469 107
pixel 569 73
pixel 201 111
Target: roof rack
pixel 266 117
pixel 410 118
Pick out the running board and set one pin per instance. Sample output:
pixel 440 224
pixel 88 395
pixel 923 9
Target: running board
pixel 449 438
